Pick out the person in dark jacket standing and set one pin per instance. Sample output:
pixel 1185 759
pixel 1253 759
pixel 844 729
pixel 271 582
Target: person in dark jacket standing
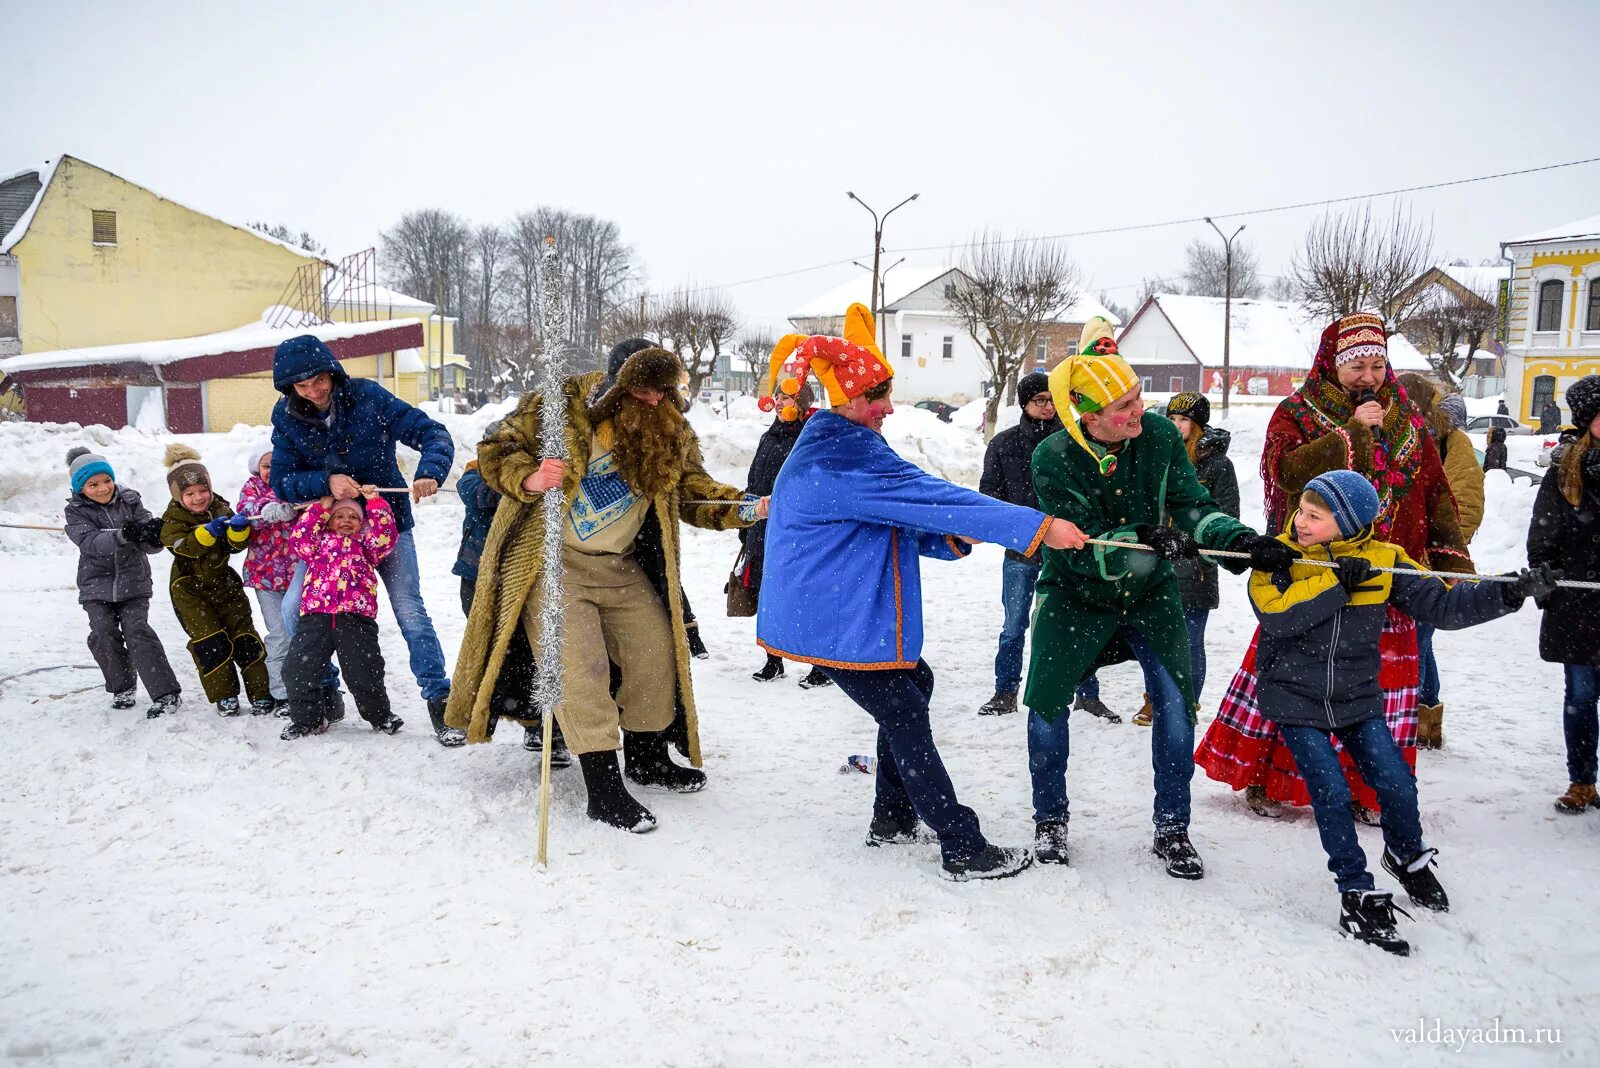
pixel 1318 675
pixel 774 448
pixel 332 434
pixel 1565 533
pixel 114 532
pixel 1008 476
pixel 1495 456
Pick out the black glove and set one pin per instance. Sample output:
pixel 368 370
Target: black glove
pixel 131 530
pixel 1169 543
pixel 1536 582
pixel 150 532
pixel 1268 554
pixel 1352 572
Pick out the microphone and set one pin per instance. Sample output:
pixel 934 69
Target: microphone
pixel 1366 396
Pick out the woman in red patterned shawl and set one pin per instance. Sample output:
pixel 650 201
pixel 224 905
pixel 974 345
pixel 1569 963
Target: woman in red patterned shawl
pixel 1350 414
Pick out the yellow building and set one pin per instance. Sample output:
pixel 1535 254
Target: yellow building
pixel 120 306
pixel 1552 327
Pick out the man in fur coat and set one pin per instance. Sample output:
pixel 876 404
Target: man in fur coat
pixel 632 461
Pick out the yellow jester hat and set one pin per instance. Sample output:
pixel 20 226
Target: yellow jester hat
pixel 1088 381
pixel 846 366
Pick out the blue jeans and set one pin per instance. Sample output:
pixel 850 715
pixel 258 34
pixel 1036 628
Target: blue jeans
pixel 1017 580
pixel 1373 748
pixel 912 780
pixel 1427 667
pixel 402 581
pixel 1580 723
pixel 1195 619
pixel 1171 748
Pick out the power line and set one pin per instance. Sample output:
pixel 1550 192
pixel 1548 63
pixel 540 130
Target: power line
pixel 1251 212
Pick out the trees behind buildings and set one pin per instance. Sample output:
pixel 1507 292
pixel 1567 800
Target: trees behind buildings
pixel 1350 261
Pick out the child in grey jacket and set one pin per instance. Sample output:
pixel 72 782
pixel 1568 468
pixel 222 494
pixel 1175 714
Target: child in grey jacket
pixel 114 533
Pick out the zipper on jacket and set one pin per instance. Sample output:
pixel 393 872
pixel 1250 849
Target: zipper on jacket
pixel 1333 649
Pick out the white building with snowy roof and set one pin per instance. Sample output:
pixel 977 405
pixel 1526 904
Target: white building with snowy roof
pixel 1552 316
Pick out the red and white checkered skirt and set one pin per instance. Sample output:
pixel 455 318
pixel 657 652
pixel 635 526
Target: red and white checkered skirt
pixel 1243 748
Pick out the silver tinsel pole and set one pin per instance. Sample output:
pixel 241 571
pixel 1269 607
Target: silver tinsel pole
pixel 552 445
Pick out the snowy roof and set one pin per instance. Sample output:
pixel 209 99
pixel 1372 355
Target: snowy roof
pixel 382 297
pixel 48 173
pixel 1484 281
pixel 1085 308
pixel 1264 333
pixel 171 350
pixel 899 283
pixel 1571 231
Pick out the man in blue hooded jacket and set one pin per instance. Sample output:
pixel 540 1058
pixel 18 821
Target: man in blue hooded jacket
pixel 332 434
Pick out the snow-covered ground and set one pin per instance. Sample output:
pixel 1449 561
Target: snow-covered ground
pixel 193 891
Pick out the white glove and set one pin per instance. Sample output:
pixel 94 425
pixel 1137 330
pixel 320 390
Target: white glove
pixel 277 512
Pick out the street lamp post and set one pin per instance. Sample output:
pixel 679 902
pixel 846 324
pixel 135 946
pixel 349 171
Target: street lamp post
pixel 883 299
pixel 1227 308
pixel 877 238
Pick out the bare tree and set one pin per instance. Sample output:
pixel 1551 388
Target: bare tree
pixel 1282 288
pixel 1119 310
pixel 1010 288
pixel 696 325
pixel 1449 326
pixel 487 254
pixel 1352 262
pixel 1205 270
pixel 297 238
pixel 424 255
pixel 754 351
pixel 1154 287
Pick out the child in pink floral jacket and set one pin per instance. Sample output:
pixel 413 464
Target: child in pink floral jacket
pixel 269 562
pixel 342 543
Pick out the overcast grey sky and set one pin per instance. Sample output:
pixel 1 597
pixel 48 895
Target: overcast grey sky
pixel 722 137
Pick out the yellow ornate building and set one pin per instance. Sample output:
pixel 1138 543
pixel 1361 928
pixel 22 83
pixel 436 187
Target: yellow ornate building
pixel 1552 327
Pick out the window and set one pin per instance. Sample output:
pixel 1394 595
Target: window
pixel 105 227
pixel 905 346
pixel 1147 383
pixel 1550 305
pixel 1592 319
pixel 8 317
pixel 949 291
pixel 1175 384
pixel 1039 354
pixel 949 349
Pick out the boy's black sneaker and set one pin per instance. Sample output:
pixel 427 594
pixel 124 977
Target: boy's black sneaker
pixel 1178 853
pixel 228 706
pixel 815 679
pixel 772 669
pixel 163 705
pixel 1417 877
pixel 294 730
pixel 125 698
pixel 991 862
pixel 262 706
pixel 387 722
pixel 884 831
pixel 1368 916
pixel 1050 841
pixel 1001 704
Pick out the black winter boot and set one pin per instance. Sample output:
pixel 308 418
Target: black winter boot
pixel 609 800
pixel 262 706
pixel 697 647
pixel 449 737
pixel 1001 704
pixel 294 731
pixel 991 862
pixel 125 698
pixel 228 706
pixel 1175 849
pixel 772 669
pixel 1368 916
pixel 1421 885
pixel 1050 841
pixel 332 704
pixel 885 831
pixel 533 742
pixel 167 703
pixel 815 678
pixel 387 722
pixel 649 764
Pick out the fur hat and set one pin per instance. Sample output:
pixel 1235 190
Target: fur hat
pixel 1192 406
pixel 351 505
pixel 257 451
pixel 846 366
pixel 1350 497
pixel 184 469
pixel 82 465
pixel 1583 398
pixel 1030 386
pixel 1090 380
pixel 652 368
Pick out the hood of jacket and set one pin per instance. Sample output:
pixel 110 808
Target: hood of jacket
pixel 1214 441
pixel 296 363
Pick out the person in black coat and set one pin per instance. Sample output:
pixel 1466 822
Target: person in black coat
pixel 773 449
pixel 1494 453
pixel 1008 476
pixel 1565 533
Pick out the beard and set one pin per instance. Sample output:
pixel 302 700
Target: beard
pixel 649 445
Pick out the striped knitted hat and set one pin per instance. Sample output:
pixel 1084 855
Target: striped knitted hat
pixel 1350 497
pixel 1089 381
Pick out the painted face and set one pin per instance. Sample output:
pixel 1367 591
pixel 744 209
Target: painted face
pixel 1314 524
pixel 196 498
pixel 99 489
pixel 265 470
pixel 345 521
pixel 1184 424
pixel 1105 346
pixel 316 389
pixel 1367 372
pixel 1119 420
pixel 869 413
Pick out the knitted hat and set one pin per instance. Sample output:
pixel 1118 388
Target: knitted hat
pixel 1583 398
pixel 1030 386
pixel 184 469
pixel 1089 381
pixel 846 366
pixel 1192 406
pixel 1350 497
pixel 1454 406
pixel 351 505
pixel 1357 336
pixel 257 451
pixel 82 465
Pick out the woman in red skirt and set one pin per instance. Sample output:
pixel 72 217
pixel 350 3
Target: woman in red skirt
pixel 1350 414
